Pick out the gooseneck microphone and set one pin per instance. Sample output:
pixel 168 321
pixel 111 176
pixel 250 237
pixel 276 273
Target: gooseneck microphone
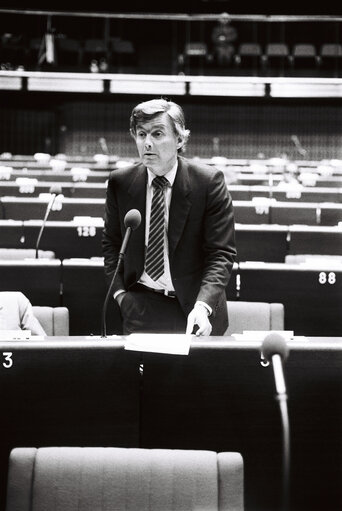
pixel 274 349
pixel 54 191
pixel 132 221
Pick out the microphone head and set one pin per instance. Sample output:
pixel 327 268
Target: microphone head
pixel 57 189
pixel 132 219
pixel 274 344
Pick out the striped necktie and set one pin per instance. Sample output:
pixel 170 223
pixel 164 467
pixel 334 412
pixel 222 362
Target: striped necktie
pixel 154 263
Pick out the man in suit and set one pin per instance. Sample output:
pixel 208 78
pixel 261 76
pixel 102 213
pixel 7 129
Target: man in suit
pixel 179 287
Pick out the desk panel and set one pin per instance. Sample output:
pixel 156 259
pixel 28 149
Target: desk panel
pixel 287 213
pixel 284 194
pixel 312 296
pixel 261 242
pixel 58 176
pixel 84 292
pixel 245 212
pixel 70 190
pixel 38 279
pixel 65 392
pixel 315 240
pixel 28 209
pixel 221 398
pixel 67 239
pixel 11 234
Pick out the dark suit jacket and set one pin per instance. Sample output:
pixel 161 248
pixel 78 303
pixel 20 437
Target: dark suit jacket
pixel 200 233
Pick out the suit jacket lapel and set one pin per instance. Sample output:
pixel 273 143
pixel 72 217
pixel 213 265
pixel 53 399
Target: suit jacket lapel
pixel 180 205
pixel 137 200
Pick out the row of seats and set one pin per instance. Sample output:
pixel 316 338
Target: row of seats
pixel 70 51
pixel 67 51
pixel 280 53
pixel 79 285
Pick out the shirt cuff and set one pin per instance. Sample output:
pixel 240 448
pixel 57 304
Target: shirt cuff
pixel 209 309
pixel 118 292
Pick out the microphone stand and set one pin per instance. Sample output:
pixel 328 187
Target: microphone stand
pixel 281 397
pixel 109 292
pixel 47 212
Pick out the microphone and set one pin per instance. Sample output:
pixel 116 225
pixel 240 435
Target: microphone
pixel 54 191
pixel 132 221
pixel 274 349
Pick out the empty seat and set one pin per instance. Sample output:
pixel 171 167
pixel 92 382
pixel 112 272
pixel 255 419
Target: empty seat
pixel 276 55
pixel 195 55
pixel 331 57
pixel 124 478
pixel 54 320
pixel 254 316
pixel 248 55
pixel 69 52
pixel 305 56
pixel 122 52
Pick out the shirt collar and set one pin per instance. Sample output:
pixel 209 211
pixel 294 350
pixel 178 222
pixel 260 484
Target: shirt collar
pixel 170 176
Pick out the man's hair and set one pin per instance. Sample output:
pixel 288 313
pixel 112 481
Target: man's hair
pixel 146 111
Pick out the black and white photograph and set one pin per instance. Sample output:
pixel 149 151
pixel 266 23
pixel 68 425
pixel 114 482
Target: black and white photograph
pixel 170 256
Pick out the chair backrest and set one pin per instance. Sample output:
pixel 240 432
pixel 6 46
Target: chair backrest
pixel 25 253
pixel 249 49
pixel 331 50
pixel 110 478
pixel 54 320
pixel 277 50
pixel 95 45
pixel 196 49
pixel 71 45
pixel 254 316
pixel 304 50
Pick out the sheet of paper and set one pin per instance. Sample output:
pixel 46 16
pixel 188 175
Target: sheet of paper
pixel 174 344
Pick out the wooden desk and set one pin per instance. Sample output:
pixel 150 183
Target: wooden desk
pixel 15 208
pixel 74 238
pixel 91 392
pixel 38 279
pixel 311 294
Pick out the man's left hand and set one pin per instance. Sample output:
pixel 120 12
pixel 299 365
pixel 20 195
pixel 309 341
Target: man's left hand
pixel 199 316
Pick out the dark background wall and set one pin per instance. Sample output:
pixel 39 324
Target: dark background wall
pixel 234 128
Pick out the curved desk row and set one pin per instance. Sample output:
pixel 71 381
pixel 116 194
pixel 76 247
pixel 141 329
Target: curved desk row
pixel 82 238
pixel 79 392
pixel 264 211
pixel 311 294
pixel 242 192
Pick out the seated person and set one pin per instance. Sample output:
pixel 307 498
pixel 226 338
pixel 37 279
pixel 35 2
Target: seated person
pixel 16 313
pixel 223 35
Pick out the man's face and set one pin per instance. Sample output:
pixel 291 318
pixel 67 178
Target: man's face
pixel 158 144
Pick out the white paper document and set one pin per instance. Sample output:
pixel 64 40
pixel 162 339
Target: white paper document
pixel 174 344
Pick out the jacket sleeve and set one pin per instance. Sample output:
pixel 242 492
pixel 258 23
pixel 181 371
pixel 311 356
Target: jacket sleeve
pixel 27 319
pixel 112 237
pixel 218 241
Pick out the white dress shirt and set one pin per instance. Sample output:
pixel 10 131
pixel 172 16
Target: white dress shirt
pixel 164 282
